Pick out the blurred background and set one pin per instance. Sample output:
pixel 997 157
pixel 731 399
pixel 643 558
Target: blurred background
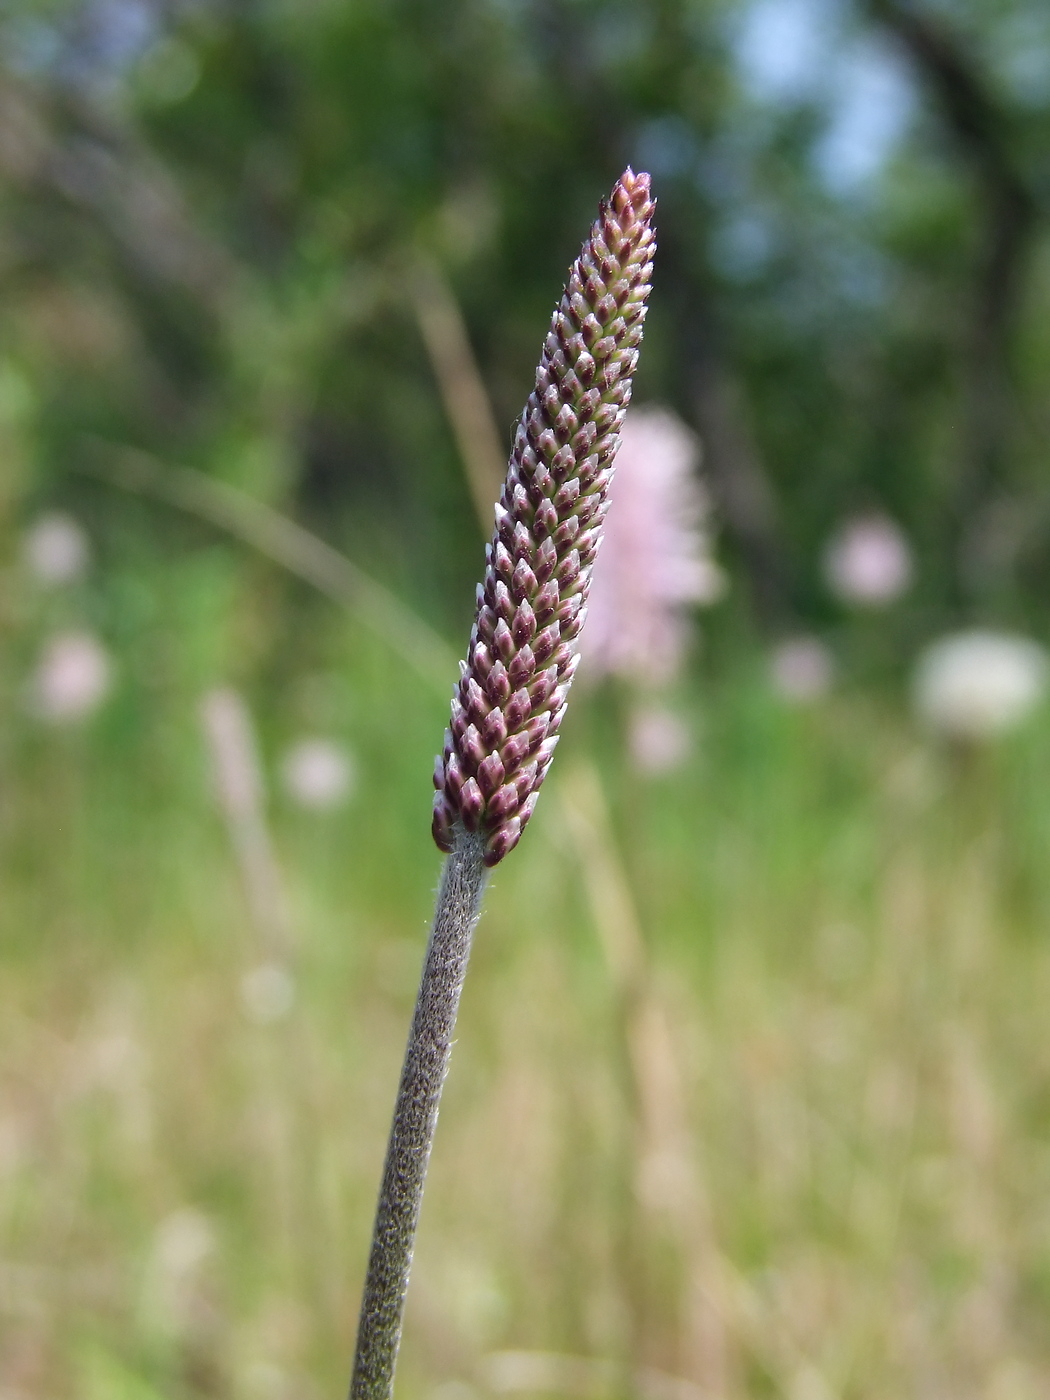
pixel 752 1089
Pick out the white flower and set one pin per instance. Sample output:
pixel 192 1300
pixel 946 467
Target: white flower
pixel 183 1241
pixel 72 678
pixel 318 773
pixel 868 561
pixel 268 992
pixel 655 560
pixel 56 549
pixel 972 685
pixel 801 669
pixel 658 739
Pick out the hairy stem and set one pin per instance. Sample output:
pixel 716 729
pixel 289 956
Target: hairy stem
pixel 415 1118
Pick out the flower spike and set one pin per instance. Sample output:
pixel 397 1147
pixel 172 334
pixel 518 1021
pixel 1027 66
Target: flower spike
pixel 511 696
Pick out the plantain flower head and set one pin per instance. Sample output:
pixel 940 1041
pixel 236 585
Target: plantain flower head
pixel 522 656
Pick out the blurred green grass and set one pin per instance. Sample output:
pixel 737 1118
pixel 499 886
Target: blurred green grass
pixel 800 1151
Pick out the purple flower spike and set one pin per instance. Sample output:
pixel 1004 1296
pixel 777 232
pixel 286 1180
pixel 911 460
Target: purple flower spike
pixel 522 653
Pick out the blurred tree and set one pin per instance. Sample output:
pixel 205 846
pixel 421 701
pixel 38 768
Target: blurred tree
pixel 211 215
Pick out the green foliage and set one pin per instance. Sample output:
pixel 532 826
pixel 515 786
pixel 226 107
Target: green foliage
pixel 224 281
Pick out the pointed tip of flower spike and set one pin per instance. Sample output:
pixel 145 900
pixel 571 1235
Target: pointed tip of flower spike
pixel 531 604
pixel 636 186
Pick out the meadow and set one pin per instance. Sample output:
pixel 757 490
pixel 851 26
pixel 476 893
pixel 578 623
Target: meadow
pixel 750 1092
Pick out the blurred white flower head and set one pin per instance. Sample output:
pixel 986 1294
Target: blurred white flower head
pixel 974 685
pixel 183 1241
pixel 801 669
pixel 868 561
pixel 72 678
pixel 658 739
pixel 318 773
pixel 56 549
pixel 656 558
pixel 268 992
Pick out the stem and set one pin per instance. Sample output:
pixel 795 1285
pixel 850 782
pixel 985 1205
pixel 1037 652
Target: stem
pixel 415 1118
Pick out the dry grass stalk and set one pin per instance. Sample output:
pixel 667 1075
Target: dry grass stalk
pixel 284 541
pixel 237 773
pixel 462 388
pixel 668 1182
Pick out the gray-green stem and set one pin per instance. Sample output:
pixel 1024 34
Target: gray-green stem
pixel 415 1118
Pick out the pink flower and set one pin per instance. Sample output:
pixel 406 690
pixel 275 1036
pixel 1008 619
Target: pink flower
pixel 72 678
pixel 868 561
pixel 655 561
